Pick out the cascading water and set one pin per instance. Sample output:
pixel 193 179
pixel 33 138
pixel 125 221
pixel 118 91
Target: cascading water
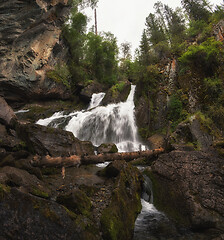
pixel 114 123
pixel 151 223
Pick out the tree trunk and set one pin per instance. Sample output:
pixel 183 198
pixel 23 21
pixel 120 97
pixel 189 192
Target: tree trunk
pixel 93 159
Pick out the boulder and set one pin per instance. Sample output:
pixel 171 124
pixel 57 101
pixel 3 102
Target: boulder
pixel 51 141
pixel 118 218
pixel 157 141
pixel 7 115
pixel 15 177
pixel 189 187
pixel 194 132
pixel 25 216
pixel 116 95
pixel 87 91
pixel 107 148
pixel 77 201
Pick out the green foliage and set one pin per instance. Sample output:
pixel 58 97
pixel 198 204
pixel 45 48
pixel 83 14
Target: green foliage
pixel 101 57
pixel 213 87
pixel 37 192
pixel 205 56
pixel 198 27
pixel 175 107
pixel 197 10
pixel 60 74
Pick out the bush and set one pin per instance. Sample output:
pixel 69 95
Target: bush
pixel 174 108
pixel 205 56
pixel 60 74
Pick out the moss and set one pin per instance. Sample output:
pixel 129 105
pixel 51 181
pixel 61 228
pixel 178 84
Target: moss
pixel 21 146
pixel 71 214
pixel 113 149
pixel 46 210
pixel 60 74
pixel 37 192
pixel 77 201
pixel 117 220
pixel 4 190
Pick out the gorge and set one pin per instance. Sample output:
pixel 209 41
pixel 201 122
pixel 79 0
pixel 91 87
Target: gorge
pixel 76 119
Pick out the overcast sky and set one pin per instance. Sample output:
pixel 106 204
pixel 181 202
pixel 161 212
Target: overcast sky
pixel 126 18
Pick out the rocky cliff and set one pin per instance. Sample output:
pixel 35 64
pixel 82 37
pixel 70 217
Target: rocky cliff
pixel 30 46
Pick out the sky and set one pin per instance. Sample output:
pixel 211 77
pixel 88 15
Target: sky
pixel 126 18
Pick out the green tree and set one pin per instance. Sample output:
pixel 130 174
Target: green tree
pixel 144 54
pixel 101 57
pixel 197 10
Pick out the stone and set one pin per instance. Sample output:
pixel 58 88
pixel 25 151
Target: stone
pixel 15 177
pixel 29 48
pixel 157 141
pixel 116 95
pixel 107 148
pixel 7 115
pixel 77 201
pixel 194 189
pixel 52 141
pixel 87 91
pixel 118 218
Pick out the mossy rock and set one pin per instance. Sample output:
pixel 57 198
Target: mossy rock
pixel 163 194
pixel 37 192
pixel 107 148
pixel 118 219
pixel 77 201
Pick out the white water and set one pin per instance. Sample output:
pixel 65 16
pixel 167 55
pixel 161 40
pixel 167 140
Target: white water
pixel 96 100
pixel 114 123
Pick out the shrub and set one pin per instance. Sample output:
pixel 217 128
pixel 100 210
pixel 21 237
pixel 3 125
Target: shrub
pixel 60 74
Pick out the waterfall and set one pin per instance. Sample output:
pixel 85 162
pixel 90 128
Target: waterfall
pixel 96 100
pixel 114 123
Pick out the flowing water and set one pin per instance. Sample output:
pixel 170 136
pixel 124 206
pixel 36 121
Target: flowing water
pixel 152 224
pixel 114 123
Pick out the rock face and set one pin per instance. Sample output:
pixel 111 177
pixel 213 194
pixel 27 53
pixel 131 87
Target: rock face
pixel 193 131
pixel 30 46
pixel 218 31
pixel 189 186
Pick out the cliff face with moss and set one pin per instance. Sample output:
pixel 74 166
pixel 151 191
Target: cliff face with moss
pixel 30 46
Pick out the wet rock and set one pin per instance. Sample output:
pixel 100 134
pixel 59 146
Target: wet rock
pixel 87 91
pixel 107 148
pixel 117 220
pixel 194 193
pixel 51 141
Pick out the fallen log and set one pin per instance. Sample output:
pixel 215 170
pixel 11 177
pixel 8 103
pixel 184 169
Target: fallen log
pixel 127 156
pixel 74 160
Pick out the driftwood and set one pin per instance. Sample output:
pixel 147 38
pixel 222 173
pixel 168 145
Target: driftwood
pixel 75 160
